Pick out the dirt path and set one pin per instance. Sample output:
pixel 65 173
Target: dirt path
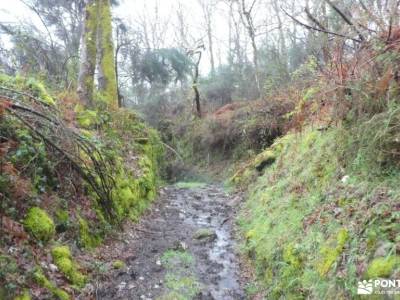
pixel 183 249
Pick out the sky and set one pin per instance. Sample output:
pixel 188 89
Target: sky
pixel 136 12
pixel 133 11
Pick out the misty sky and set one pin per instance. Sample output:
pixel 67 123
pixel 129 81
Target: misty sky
pixel 133 11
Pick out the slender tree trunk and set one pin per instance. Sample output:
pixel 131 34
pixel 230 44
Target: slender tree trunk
pixel 210 47
pixel 251 31
pixel 210 39
pixel 282 49
pixel 325 38
pixel 88 53
pixel 107 78
pixel 230 55
pixel 116 76
pixel 195 84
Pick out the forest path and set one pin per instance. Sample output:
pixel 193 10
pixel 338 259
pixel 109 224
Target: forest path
pixel 182 249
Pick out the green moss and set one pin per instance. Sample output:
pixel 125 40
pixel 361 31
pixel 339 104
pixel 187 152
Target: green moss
pixel 38 89
pixel 108 82
pixel 205 233
pixel 60 252
pixel 291 256
pixel 330 254
pixel 38 223
pixel 118 264
pixel 42 280
pixel 62 216
pixel 29 85
pixel 63 260
pixel 187 286
pixel 90 43
pixel 290 233
pixel 173 259
pixel 87 118
pixel 87 238
pixel 190 185
pixel 180 279
pixel 24 296
pixel 382 267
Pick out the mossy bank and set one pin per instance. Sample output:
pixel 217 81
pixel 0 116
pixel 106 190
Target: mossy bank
pixel 315 222
pixel 50 214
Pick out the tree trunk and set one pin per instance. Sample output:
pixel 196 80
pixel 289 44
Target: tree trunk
pixel 210 47
pixel 195 85
pixel 210 39
pixel 248 22
pixel 107 78
pixel 88 54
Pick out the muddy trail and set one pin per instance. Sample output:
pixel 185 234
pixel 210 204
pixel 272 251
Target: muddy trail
pixel 182 249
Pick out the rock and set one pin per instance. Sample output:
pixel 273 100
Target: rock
pixel 121 286
pixel 158 262
pixel 383 249
pixel 53 268
pixel 345 179
pixel 205 234
pixel 141 278
pixel 179 246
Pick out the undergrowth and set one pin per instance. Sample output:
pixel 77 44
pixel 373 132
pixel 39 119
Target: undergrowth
pixel 44 199
pixel 316 222
pixel 322 209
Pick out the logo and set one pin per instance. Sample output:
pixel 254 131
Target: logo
pixel 365 287
pixel 379 286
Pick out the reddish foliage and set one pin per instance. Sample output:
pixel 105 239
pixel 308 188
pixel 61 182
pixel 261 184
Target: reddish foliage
pixel 67 105
pixel 228 108
pixel 13 228
pixel 393 38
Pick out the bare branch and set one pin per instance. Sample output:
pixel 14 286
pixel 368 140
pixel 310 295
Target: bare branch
pixel 313 19
pixel 345 18
pixel 319 29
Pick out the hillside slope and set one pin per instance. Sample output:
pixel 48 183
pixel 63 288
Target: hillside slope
pixel 68 178
pixel 320 217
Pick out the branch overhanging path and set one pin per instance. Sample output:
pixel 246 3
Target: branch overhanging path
pixel 85 158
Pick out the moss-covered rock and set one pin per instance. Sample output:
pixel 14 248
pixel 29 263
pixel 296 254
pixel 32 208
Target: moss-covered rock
pixel 118 264
pixel 205 234
pixel 63 260
pixel 39 224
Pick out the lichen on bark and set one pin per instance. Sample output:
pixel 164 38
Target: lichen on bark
pixel 97 49
pixel 88 53
pixel 106 65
